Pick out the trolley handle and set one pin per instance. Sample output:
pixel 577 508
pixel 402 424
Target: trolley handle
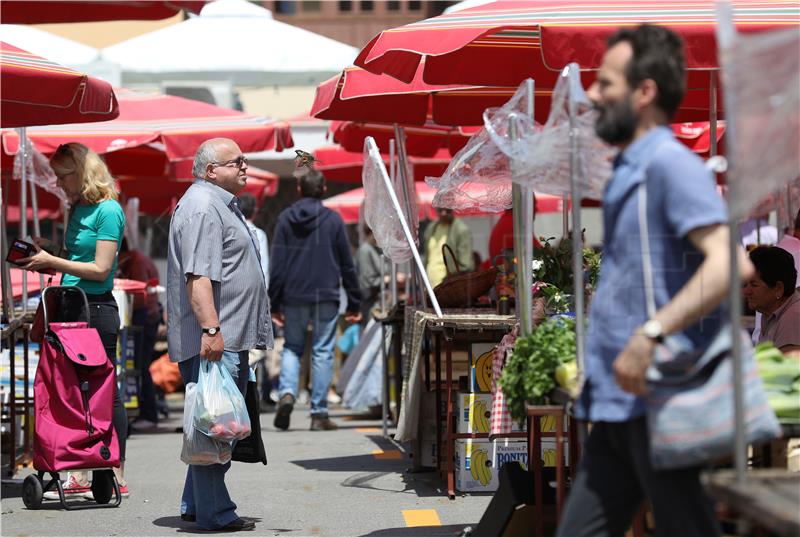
pixel 63 289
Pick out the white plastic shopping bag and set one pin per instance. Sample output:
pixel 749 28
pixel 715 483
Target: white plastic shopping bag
pixel 220 410
pixel 198 448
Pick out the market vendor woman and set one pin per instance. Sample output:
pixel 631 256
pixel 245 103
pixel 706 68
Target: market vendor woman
pixel 93 236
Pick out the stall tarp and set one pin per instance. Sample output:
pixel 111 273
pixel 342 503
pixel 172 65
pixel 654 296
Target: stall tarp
pixel 342 166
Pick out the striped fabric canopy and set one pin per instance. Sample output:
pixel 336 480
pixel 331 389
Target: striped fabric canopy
pixel 55 11
pixel 177 125
pixel 36 91
pixel 504 42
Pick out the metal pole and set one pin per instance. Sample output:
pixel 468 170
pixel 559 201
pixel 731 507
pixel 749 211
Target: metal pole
pixel 373 148
pixel 726 33
pixel 523 233
pixel 37 231
pixel 8 305
pixel 23 210
pixel 565 216
pixel 577 239
pixel 712 122
pixel 393 177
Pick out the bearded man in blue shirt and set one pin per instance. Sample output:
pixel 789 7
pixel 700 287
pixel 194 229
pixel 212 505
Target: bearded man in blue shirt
pixel 639 87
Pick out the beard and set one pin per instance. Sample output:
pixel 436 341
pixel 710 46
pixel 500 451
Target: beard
pixel 616 123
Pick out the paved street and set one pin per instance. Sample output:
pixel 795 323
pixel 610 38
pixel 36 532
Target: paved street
pixel 350 482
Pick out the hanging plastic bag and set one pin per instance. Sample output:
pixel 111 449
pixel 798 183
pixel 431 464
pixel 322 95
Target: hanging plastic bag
pixel 220 410
pixel 198 448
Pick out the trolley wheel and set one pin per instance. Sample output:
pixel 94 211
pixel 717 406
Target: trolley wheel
pixel 102 485
pixel 32 492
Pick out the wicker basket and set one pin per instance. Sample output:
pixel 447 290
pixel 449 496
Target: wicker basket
pixel 462 289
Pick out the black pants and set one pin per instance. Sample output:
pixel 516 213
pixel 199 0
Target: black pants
pixel 104 317
pixel 148 407
pixel 615 477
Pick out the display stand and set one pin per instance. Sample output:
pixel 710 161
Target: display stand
pixel 18 330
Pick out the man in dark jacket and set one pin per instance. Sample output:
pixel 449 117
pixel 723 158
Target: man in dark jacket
pixel 310 261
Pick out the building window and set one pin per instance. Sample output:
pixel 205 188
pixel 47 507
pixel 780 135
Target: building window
pixel 414 5
pixel 345 5
pixel 393 5
pixel 367 5
pixel 311 5
pixel 285 7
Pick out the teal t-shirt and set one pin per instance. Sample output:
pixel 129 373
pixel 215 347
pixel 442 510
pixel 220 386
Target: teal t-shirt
pixel 104 221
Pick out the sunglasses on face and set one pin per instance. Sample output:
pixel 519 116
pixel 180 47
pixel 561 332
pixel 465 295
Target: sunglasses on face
pixel 238 162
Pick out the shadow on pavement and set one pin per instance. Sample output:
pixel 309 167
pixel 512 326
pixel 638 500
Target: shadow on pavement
pixel 354 463
pixel 181 526
pixel 421 531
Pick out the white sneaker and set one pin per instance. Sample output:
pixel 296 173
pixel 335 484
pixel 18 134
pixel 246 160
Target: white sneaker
pixel 144 425
pixel 303 397
pixel 333 398
pixel 274 396
pixel 72 489
pixel 123 491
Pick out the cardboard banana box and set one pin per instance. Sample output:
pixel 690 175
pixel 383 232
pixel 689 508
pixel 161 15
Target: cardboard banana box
pixel 478 461
pixel 475 411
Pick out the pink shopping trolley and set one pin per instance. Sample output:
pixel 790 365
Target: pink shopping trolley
pixel 73 400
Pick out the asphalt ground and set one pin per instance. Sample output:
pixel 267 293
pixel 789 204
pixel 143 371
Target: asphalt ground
pixel 350 482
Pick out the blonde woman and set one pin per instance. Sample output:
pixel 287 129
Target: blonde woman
pixel 93 238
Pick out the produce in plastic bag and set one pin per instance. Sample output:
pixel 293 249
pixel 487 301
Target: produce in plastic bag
pixel 379 211
pixel 198 448
pixel 542 153
pixel 761 82
pixel 220 410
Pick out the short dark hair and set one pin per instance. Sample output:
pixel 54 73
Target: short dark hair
pixel 312 185
pixel 657 55
pixel 247 204
pixel 775 265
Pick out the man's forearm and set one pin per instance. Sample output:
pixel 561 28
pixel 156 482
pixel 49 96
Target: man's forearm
pixel 707 288
pixel 201 298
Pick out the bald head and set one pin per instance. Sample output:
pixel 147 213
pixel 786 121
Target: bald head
pixel 208 152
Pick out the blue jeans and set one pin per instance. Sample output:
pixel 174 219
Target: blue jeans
pixel 204 492
pixel 323 317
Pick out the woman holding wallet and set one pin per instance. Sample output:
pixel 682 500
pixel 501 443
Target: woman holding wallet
pixel 93 237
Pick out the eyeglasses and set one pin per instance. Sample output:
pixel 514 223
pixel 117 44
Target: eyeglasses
pixel 238 162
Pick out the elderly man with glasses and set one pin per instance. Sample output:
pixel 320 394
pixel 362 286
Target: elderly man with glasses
pixel 217 304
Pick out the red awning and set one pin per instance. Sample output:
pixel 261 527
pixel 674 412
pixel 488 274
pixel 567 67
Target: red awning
pixel 502 43
pixel 177 126
pixel 422 141
pixel 342 166
pixel 36 91
pixel 47 12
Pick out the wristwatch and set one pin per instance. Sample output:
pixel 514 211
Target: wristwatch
pixel 211 331
pixel 653 330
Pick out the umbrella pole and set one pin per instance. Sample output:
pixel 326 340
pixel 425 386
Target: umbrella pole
pixel 7 294
pixel 406 230
pixel 37 231
pixel 565 216
pixel 725 34
pixel 522 198
pixel 23 209
pixel 392 175
pixel 402 160
pixel 577 240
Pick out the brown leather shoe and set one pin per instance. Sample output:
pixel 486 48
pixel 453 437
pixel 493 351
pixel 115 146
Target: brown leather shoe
pixel 284 412
pixel 322 423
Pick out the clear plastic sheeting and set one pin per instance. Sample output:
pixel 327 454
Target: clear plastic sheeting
pixel 37 166
pixel 761 78
pixel 542 153
pixel 379 212
pixel 478 178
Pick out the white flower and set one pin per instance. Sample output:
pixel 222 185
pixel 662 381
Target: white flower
pixel 536 265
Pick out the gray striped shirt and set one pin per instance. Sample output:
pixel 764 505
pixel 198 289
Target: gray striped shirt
pixel 208 237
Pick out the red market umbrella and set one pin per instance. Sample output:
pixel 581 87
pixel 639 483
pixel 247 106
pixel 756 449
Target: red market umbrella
pixel 153 125
pixel 360 96
pixel 342 166
pixel 422 141
pixel 46 12
pixel 158 196
pixel 348 204
pixel 36 91
pixel 502 43
pixel 697 136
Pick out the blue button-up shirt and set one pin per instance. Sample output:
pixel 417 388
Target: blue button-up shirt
pixel 681 197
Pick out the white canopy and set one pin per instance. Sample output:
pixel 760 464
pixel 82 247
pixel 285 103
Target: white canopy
pixel 53 47
pixel 231 40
